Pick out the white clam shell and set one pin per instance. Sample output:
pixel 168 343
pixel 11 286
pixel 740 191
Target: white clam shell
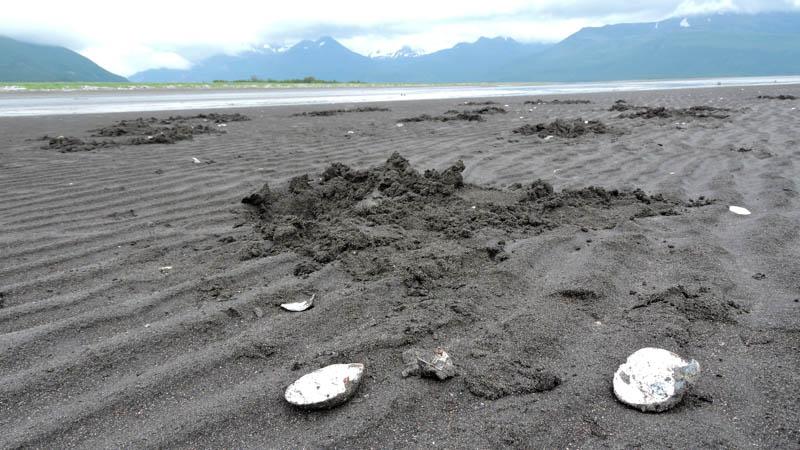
pixel 299 306
pixel 325 388
pixel 739 210
pixel 654 379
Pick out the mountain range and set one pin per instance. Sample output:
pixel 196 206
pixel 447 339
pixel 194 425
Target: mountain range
pixel 681 47
pixel 22 61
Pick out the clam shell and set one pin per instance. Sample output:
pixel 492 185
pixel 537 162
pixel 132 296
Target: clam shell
pixel 654 379
pixel 299 306
pixel 325 388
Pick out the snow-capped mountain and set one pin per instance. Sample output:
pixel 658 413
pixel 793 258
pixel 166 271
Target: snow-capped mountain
pixel 680 47
pixel 404 52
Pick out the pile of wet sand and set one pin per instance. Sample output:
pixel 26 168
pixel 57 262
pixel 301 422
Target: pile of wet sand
pixel 461 116
pixel 336 112
pixel 375 220
pixel 145 131
pixel 564 128
pixel 557 102
pixel 662 112
pixel 475 115
pixel 777 97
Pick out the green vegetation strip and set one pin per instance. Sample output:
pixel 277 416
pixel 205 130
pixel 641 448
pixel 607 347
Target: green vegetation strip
pixel 216 84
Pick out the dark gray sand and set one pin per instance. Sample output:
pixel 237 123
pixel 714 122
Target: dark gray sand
pixel 139 296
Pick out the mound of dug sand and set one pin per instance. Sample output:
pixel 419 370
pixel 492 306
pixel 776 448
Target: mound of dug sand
pixel 385 220
pixel 556 102
pixel 661 112
pixel 564 128
pixel 336 112
pixel 777 97
pixel 143 131
pixel 465 116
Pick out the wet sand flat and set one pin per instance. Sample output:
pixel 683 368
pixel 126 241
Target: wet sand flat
pixel 139 297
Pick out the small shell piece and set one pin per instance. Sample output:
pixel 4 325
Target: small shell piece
pixel 299 306
pixel 739 210
pixel 327 387
pixel 654 379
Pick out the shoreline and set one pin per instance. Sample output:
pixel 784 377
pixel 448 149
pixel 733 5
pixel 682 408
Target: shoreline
pixel 38 103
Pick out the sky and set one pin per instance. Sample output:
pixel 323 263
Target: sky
pixel 126 38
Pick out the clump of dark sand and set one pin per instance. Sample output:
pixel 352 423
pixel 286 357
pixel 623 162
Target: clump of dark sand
pixel 479 103
pixel 154 131
pixel 69 144
pixel 336 112
pixel 142 131
pixel 487 110
pixel 557 102
pixel 777 97
pixel 456 117
pixel 475 115
pixel 661 112
pixel 211 117
pixel 449 116
pixel 376 219
pixel 564 128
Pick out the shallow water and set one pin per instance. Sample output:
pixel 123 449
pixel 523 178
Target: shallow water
pixel 20 103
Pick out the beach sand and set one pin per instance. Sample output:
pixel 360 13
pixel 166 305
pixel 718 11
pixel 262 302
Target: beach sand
pixel 139 296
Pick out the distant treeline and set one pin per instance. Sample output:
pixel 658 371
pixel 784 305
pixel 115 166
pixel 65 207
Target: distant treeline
pixel 306 80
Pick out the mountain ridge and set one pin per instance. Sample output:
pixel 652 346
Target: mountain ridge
pixel 678 47
pixel 27 62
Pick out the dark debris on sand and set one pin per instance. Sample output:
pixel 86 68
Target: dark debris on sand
pixel 144 131
pixel 564 128
pixel 661 112
pixel 557 102
pixel 387 213
pixel 475 115
pixel 777 97
pixel 450 116
pixel 336 112
pixel 69 144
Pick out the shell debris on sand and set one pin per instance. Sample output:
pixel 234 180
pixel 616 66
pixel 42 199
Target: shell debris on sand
pixel 326 387
pixel 739 210
pixel 299 306
pixel 436 364
pixel 654 379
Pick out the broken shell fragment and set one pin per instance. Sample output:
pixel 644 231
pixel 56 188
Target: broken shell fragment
pixel 654 379
pixel 325 388
pixel 436 364
pixel 299 306
pixel 739 210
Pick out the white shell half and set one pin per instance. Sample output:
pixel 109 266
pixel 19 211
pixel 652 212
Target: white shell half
pixel 325 388
pixel 739 210
pixel 299 306
pixel 654 379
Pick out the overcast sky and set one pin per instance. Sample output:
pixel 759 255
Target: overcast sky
pixel 127 37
